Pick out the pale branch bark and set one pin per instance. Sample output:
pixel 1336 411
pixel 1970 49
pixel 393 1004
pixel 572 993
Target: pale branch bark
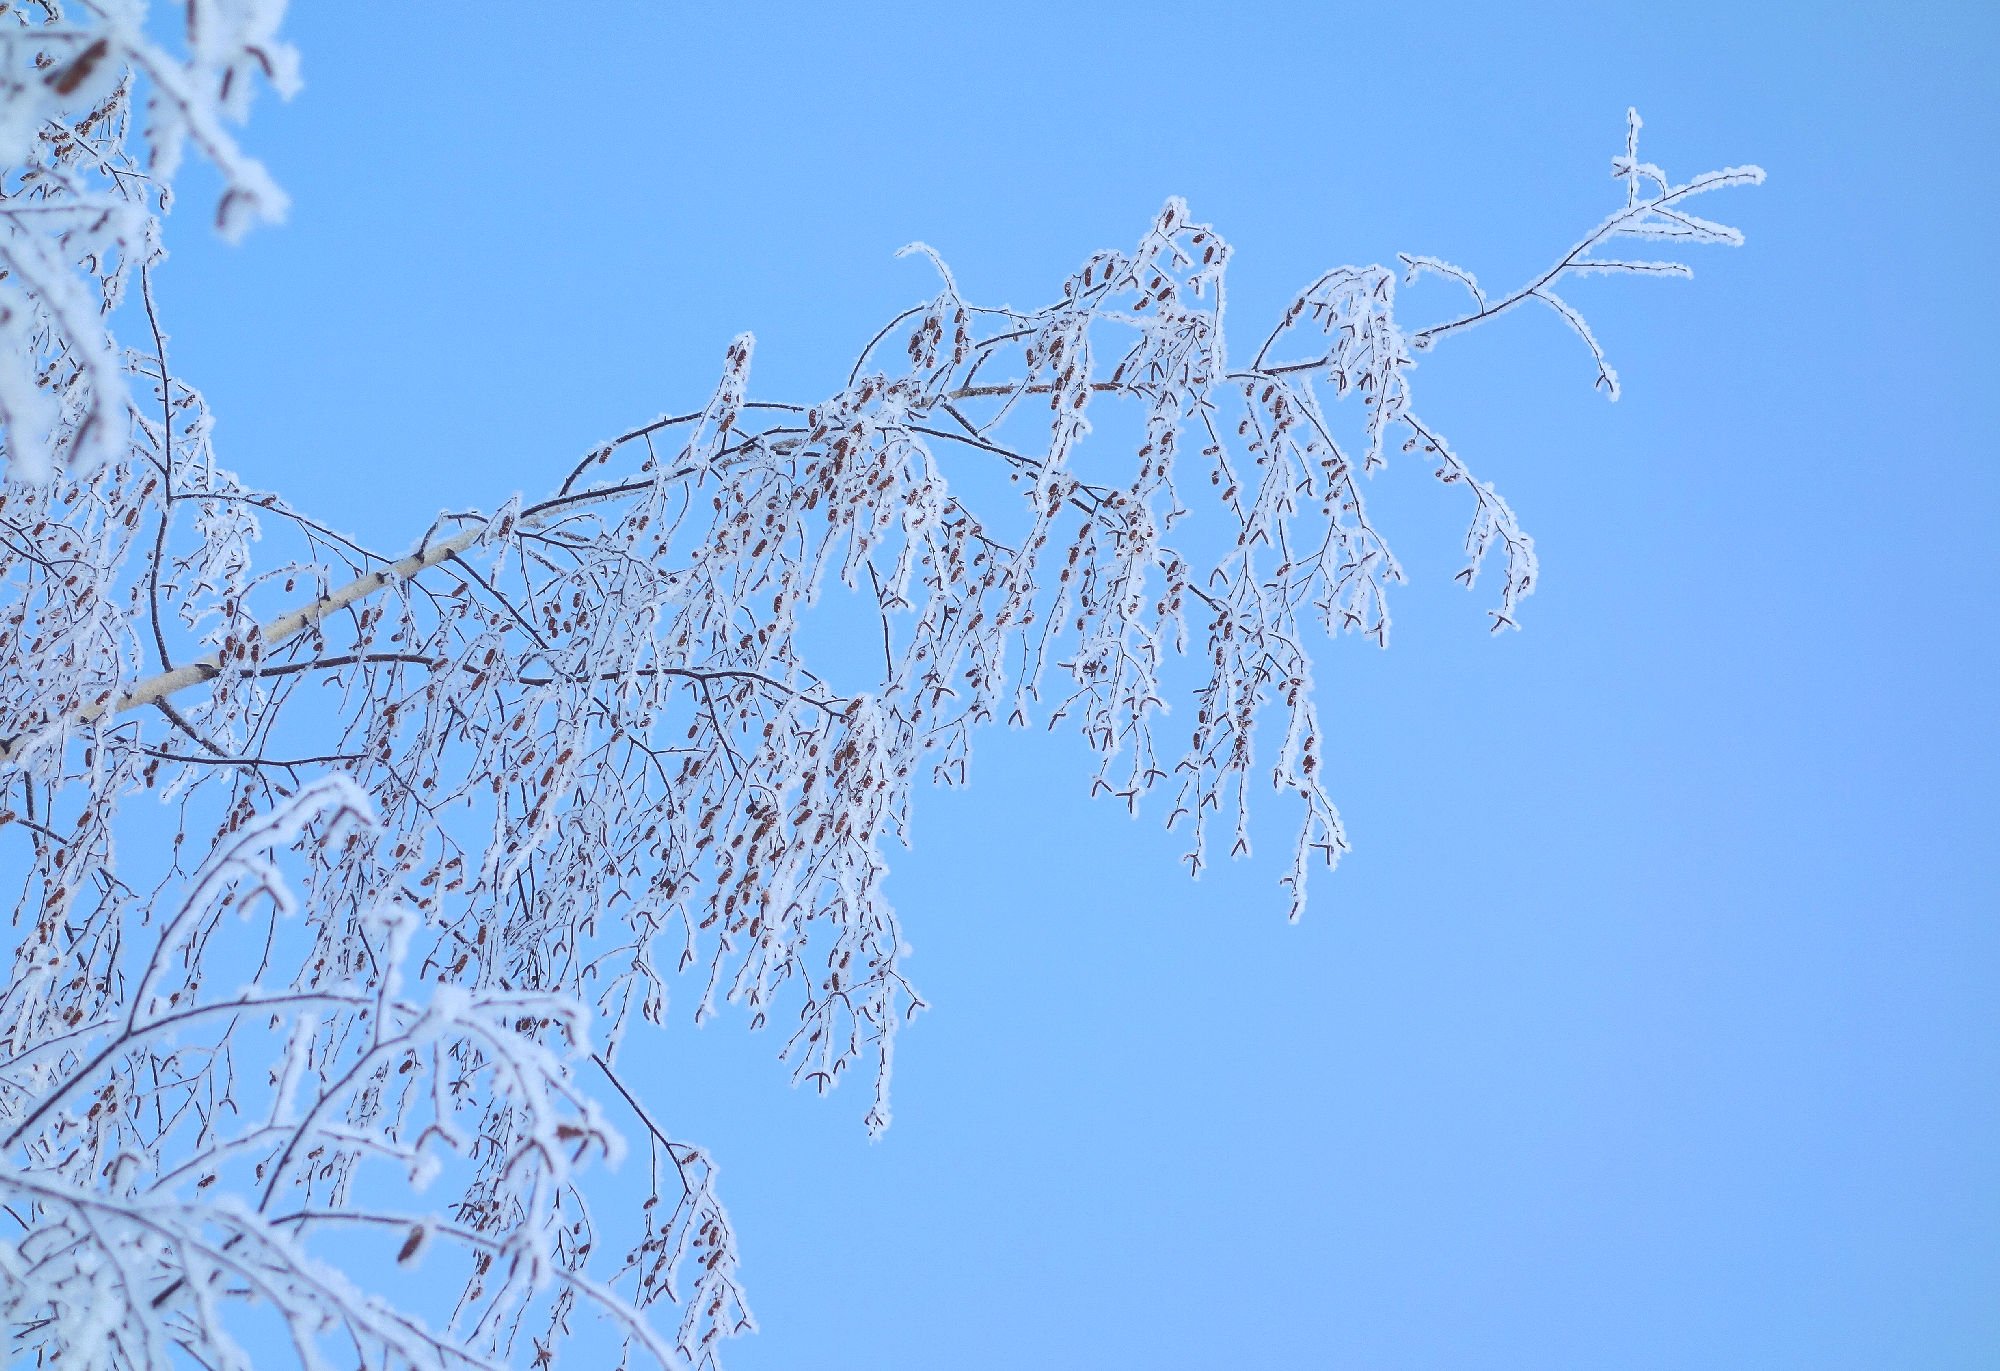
pixel 157 689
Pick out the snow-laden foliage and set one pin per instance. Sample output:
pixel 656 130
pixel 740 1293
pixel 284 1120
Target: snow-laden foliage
pixel 341 879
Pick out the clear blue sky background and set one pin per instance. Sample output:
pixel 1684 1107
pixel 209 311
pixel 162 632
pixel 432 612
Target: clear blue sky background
pixel 1653 1022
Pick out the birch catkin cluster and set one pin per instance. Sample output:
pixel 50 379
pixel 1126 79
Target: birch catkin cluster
pixel 341 878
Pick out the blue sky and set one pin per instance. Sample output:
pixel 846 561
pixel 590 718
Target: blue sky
pixel 1652 1022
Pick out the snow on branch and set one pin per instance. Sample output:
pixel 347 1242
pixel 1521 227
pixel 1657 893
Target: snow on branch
pixel 79 205
pixel 447 827
pixel 1655 208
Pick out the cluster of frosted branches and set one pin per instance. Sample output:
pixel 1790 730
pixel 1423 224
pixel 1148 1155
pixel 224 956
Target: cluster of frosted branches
pixel 340 878
pixel 77 210
pixel 176 1139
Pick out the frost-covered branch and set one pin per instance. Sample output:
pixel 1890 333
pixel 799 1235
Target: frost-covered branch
pixel 1658 214
pixel 324 962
